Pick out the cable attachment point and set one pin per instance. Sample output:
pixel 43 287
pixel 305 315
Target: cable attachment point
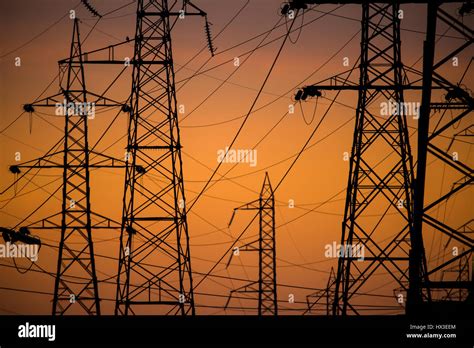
pixel 307 91
pixel 292 6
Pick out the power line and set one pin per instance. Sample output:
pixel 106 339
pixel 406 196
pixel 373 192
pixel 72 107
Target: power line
pixel 248 52
pixel 291 90
pixel 284 176
pixel 231 74
pixel 39 34
pixel 247 117
pixel 20 115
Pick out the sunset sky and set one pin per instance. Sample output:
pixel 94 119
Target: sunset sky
pixel 39 33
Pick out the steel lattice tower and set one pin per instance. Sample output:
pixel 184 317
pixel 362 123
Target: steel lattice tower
pixel 380 165
pixel 322 299
pixel 389 186
pixel 382 74
pixel 265 246
pixel 154 225
pixel 76 284
pixel 440 116
pixel 76 188
pixel 378 184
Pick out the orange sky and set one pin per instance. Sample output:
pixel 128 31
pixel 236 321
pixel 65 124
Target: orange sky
pixel 318 175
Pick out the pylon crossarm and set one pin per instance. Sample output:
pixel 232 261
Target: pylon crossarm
pixel 254 205
pixel 247 288
pixel 40 162
pixel 45 102
pixel 53 222
pixel 61 100
pixel 84 56
pixel 47 162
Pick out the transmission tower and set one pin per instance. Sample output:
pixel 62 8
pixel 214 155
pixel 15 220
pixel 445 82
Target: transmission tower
pixel 382 74
pixel 76 286
pixel 322 298
pixel 441 115
pixel 154 224
pixel 375 185
pixel 390 186
pixel 265 286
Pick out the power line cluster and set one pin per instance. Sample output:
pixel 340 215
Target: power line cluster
pixel 154 220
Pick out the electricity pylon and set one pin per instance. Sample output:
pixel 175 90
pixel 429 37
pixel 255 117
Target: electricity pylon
pixel 386 189
pixel 450 118
pixel 265 286
pixel 154 223
pixel 401 254
pixel 322 299
pixel 76 286
pixel 376 185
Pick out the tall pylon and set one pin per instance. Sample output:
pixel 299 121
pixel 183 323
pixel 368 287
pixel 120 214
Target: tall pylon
pixel 380 164
pixel 446 113
pixel 265 286
pixel 382 74
pixel 76 189
pixel 76 288
pixel 384 190
pixel 154 224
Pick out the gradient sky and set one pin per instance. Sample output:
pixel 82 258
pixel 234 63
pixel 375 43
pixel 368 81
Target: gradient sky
pixel 318 175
